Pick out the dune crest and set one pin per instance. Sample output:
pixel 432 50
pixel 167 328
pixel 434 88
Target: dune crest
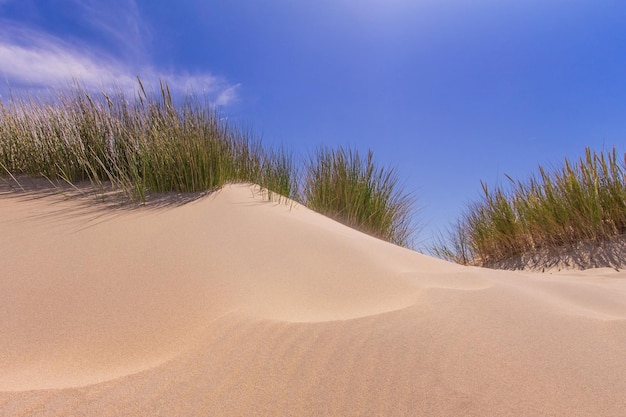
pixel 232 305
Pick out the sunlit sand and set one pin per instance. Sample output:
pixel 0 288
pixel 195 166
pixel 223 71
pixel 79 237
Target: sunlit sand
pixel 229 305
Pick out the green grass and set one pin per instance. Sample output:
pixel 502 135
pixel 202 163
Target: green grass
pixel 151 143
pixel 580 201
pixel 354 190
pixel 142 145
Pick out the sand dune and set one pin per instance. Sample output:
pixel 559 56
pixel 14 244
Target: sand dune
pixel 232 306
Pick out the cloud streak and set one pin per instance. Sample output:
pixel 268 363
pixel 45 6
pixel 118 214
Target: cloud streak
pixel 119 21
pixel 37 60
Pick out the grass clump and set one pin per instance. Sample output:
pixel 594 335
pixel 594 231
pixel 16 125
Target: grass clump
pixel 152 143
pixel 581 201
pixel 147 144
pixel 350 188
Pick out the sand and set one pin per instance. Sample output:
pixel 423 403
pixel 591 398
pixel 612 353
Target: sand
pixel 229 305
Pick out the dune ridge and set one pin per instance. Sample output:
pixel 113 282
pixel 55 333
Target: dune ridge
pixel 232 305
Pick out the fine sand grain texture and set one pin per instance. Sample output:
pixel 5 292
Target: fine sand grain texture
pixel 232 306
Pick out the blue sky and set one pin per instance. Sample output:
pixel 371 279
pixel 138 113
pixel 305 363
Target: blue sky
pixel 448 92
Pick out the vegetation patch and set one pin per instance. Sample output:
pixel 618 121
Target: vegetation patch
pixel 351 188
pixel 580 202
pixel 145 144
pixel 150 143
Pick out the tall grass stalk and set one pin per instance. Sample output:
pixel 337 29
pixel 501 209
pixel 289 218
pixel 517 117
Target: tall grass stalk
pixel 344 185
pixel 581 201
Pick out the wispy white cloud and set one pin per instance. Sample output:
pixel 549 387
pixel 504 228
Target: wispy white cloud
pixel 220 92
pixel 119 21
pixel 227 96
pixel 34 59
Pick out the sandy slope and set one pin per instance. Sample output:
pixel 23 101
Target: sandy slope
pixel 232 306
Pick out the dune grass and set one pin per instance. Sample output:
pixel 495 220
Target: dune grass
pixel 152 143
pixel 354 190
pixel 581 201
pixel 147 144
